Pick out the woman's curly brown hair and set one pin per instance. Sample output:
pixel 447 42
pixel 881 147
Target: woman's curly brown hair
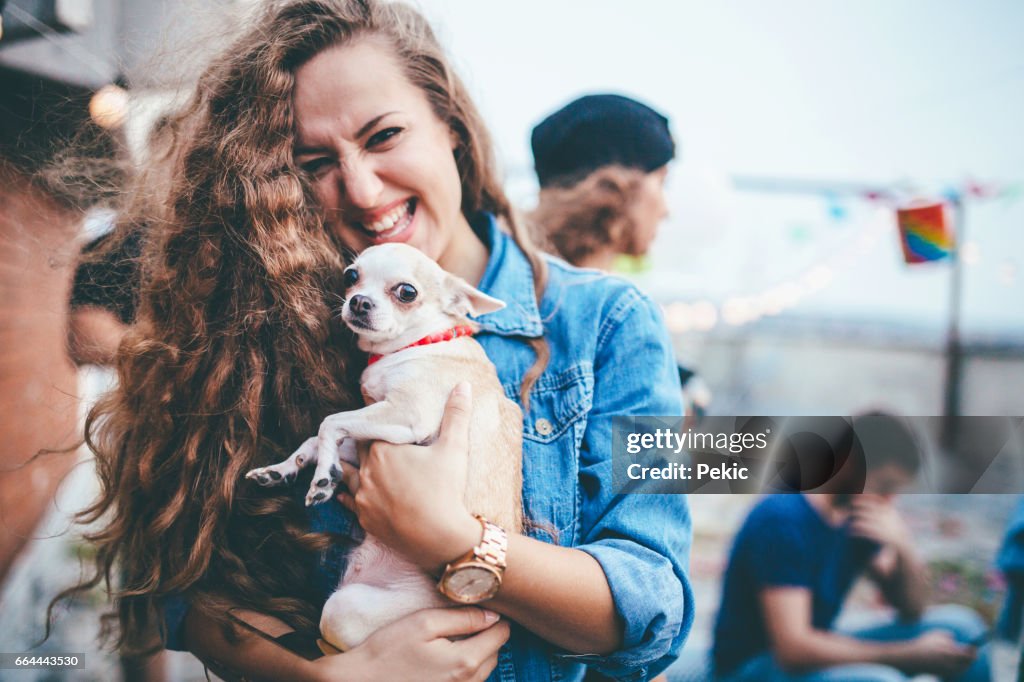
pixel 234 358
pixel 577 220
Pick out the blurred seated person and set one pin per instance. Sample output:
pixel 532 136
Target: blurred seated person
pixel 103 297
pixel 601 162
pixel 796 558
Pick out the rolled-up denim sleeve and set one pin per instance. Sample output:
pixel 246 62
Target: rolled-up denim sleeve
pixel 642 541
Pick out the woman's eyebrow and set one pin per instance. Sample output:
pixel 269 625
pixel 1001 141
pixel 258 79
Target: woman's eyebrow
pixel 299 151
pixel 367 127
pixel 371 123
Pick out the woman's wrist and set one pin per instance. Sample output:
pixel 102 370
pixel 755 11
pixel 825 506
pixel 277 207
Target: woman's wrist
pixel 451 542
pixel 318 670
pixel 335 667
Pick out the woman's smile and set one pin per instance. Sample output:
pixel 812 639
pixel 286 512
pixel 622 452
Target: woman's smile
pixel 395 223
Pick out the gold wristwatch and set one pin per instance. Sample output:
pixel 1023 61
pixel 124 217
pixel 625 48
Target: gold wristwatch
pixel 476 575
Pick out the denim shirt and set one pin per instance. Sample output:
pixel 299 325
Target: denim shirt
pixel 610 355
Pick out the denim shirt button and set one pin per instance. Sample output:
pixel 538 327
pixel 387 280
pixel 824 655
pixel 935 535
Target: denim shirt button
pixel 543 426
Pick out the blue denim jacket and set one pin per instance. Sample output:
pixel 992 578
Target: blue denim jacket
pixel 610 355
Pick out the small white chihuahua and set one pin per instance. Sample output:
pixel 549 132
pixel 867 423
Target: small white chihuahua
pixel 412 317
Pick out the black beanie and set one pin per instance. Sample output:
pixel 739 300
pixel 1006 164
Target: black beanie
pixel 596 131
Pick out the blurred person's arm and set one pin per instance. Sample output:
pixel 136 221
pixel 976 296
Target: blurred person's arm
pixel 898 570
pixel 94 335
pixel 902 577
pixel 415 647
pixel 252 656
pixel 798 646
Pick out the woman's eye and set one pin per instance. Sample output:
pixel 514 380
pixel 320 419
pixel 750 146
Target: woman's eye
pixel 351 276
pixel 378 139
pixel 406 293
pixel 316 166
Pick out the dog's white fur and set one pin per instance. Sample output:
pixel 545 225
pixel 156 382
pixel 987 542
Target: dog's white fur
pixel 406 393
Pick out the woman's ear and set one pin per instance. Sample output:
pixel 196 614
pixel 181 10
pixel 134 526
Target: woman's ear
pixel 462 299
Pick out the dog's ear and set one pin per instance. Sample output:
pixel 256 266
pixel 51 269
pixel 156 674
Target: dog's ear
pixel 460 298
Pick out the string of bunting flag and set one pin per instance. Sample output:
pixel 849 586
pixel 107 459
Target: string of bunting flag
pixel 926 223
pixel 923 217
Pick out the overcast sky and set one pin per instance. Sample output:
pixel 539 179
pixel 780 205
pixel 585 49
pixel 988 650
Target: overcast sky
pixel 925 92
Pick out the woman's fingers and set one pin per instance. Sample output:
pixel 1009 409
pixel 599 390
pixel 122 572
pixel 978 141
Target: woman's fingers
pixel 455 422
pixel 363 450
pixel 347 501
pixel 350 477
pixel 455 622
pixel 488 641
pixel 489 664
pixel 481 650
pixel 417 646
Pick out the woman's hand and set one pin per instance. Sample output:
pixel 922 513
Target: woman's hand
pixel 411 496
pixel 418 647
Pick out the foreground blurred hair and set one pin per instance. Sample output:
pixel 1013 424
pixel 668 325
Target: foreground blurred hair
pixel 234 358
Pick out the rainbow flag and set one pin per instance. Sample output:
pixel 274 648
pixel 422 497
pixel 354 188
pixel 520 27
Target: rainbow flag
pixel 926 233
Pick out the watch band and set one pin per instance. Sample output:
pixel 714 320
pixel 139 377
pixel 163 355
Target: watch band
pixel 493 547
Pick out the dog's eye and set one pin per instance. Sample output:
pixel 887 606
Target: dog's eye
pixel 351 277
pixel 406 293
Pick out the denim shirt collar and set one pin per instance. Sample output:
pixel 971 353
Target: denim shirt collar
pixel 508 277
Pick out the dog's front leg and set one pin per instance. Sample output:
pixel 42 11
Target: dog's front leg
pixel 286 471
pixel 379 421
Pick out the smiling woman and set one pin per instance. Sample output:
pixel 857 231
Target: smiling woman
pixel 328 127
pixel 383 167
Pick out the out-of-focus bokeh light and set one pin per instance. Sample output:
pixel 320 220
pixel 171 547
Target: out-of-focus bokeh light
pixel 108 108
pixel 971 253
pixel 678 317
pixel 705 315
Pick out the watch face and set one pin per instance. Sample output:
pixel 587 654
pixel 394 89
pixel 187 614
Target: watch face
pixel 471 584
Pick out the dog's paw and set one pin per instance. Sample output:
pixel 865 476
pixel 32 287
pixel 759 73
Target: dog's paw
pixel 323 485
pixel 269 476
pixel 318 495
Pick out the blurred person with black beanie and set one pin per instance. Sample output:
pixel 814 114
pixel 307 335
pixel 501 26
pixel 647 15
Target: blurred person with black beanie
pixel 602 161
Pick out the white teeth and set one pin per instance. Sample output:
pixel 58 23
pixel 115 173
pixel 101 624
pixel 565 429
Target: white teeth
pixel 390 219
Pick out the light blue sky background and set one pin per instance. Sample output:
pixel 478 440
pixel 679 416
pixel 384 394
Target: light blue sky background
pixel 921 91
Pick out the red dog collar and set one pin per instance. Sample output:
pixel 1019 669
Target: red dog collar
pixel 447 335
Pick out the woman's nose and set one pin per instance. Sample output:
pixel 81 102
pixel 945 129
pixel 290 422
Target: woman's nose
pixel 361 186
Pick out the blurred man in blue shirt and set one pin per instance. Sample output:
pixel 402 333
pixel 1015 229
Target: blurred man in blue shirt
pixel 793 564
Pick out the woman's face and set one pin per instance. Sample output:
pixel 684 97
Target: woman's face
pixel 647 211
pixel 380 160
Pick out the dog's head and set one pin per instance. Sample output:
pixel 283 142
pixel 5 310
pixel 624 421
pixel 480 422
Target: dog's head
pixel 395 295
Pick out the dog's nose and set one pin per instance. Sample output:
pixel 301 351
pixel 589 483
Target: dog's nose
pixel 361 304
